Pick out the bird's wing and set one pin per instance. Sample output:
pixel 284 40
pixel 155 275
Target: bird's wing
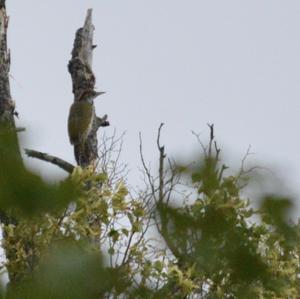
pixel 80 121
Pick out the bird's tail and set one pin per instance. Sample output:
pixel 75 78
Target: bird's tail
pixel 80 154
pixel 77 153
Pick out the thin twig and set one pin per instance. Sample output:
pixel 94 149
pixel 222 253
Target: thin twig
pixel 148 174
pixel 197 135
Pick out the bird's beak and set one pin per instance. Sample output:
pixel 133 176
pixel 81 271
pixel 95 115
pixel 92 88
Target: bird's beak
pixel 98 93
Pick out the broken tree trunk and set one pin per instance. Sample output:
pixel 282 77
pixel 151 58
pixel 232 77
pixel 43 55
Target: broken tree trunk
pixel 7 105
pixel 83 79
pixel 9 145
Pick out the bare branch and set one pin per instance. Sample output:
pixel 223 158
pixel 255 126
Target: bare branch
pixel 110 151
pixel 248 153
pixel 211 139
pixel 218 150
pixel 51 159
pixel 146 169
pixel 197 135
pixel 162 156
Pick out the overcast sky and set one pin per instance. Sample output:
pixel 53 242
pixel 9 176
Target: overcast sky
pixel 184 63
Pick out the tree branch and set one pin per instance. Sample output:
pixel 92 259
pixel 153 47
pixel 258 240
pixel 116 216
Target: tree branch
pixel 51 159
pixel 162 156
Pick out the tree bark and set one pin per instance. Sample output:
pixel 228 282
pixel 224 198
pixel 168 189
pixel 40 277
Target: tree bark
pixel 7 105
pixel 83 79
pixel 51 159
pixel 10 155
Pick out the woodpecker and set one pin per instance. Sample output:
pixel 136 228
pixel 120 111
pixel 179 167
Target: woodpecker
pixel 81 117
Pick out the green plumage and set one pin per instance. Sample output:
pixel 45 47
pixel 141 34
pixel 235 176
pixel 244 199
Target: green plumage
pixel 80 121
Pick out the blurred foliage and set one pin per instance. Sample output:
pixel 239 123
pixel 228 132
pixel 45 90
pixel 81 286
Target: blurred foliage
pixel 88 238
pixel 68 271
pixel 23 191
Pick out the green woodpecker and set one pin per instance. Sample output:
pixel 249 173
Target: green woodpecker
pixel 81 117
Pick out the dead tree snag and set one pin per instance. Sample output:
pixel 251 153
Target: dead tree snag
pixel 85 123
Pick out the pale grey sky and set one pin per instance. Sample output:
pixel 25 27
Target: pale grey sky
pixel 183 62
